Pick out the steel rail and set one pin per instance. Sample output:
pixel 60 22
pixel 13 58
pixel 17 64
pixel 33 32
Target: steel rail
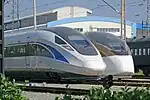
pixel 139 84
pixel 75 91
pixel 56 90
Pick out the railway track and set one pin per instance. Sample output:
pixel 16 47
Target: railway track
pixel 132 82
pixel 80 91
pixel 105 81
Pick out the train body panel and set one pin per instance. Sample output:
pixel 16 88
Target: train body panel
pixel 122 65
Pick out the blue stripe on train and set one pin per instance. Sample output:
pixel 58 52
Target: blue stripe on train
pixel 56 53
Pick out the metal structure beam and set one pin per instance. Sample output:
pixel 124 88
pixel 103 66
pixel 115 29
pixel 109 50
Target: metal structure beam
pixel 2 36
pixel 34 13
pixel 123 19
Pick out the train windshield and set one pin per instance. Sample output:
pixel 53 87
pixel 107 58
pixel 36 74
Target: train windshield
pixel 79 41
pixel 112 42
pixel 117 47
pixel 82 45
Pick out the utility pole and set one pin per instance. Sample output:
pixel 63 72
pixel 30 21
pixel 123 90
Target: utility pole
pixel 2 36
pixel 18 23
pixel 13 15
pixel 34 13
pixel 123 19
pixel 148 17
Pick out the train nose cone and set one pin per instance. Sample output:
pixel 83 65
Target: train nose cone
pixel 119 65
pixel 127 64
pixel 95 65
pixel 95 68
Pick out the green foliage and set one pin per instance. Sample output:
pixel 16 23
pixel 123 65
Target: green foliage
pixel 9 90
pixel 126 93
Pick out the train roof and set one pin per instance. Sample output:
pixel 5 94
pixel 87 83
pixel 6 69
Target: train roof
pixel 64 32
pixel 103 37
pixel 61 31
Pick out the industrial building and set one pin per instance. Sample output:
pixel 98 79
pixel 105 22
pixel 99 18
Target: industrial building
pixel 96 23
pixel 75 17
pixel 26 23
pixel 142 30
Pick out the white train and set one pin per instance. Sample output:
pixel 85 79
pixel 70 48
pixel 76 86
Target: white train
pixel 51 53
pixel 115 52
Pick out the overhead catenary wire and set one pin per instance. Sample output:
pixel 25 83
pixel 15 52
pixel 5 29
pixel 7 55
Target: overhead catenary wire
pixel 62 1
pixel 111 7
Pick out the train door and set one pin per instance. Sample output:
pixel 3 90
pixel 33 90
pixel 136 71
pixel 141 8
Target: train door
pixel 33 56
pixel 27 58
pixel 31 52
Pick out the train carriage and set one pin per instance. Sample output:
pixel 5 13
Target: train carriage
pixel 53 52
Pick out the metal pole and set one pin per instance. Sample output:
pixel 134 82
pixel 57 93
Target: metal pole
pixel 124 16
pixel 13 16
pixel 18 24
pixel 34 13
pixel 2 36
pixel 147 17
pixel 121 21
pixel 142 28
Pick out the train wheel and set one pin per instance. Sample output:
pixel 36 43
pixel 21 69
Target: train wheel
pixel 53 76
pixel 145 73
pixel 136 69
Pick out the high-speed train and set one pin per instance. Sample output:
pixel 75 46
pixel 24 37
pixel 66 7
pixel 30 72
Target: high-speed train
pixel 51 53
pixel 115 52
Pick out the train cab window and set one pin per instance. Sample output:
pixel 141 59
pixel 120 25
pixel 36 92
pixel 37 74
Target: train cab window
pixel 59 41
pixel 144 52
pixel 140 52
pixel 135 53
pixel 148 51
pixel 64 44
pixel 79 41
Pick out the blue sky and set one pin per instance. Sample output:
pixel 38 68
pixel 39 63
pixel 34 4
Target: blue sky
pixel 136 9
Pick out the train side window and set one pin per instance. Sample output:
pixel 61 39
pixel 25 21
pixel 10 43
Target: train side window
pixel 131 51
pixel 135 53
pixel 15 51
pixel 144 52
pixel 140 52
pixel 148 51
pixel 39 50
pixel 59 41
pixel 20 50
pixel 5 52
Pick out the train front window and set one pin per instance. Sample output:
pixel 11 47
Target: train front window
pixel 79 41
pixel 119 48
pixel 82 45
pixel 116 47
pixel 62 43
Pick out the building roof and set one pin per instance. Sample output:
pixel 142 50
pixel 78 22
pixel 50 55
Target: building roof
pixel 88 18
